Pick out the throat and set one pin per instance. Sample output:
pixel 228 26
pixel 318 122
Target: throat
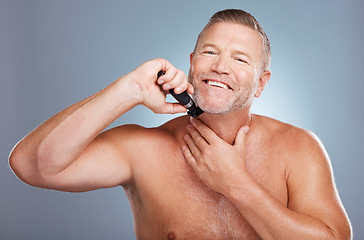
pixel 226 126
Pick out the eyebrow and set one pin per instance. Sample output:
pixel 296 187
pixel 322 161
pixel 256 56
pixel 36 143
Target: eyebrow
pixel 208 45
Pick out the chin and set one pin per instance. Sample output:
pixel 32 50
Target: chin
pixel 214 107
pixel 221 106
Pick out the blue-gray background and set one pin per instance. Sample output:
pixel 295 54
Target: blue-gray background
pixel 55 53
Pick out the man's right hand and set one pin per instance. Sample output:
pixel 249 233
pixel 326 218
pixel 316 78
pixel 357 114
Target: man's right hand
pixel 153 90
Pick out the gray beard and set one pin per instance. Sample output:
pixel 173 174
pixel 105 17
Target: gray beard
pixel 238 104
pixel 242 99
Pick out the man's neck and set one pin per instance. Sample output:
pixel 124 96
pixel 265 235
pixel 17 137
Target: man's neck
pixel 227 125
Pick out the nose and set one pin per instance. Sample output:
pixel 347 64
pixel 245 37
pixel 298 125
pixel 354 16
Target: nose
pixel 221 65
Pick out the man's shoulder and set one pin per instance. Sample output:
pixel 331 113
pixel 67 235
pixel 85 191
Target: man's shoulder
pixel 134 132
pixel 291 136
pixel 297 145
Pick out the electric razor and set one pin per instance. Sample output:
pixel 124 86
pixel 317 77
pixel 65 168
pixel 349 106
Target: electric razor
pixel 185 100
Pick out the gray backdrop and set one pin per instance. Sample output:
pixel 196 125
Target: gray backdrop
pixel 55 53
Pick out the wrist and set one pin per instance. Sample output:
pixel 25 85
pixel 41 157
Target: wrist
pixel 130 89
pixel 247 190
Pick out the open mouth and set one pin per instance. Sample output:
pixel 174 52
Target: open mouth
pixel 217 84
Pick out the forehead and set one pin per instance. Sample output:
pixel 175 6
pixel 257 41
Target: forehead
pixel 233 36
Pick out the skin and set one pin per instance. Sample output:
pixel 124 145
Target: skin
pixel 226 175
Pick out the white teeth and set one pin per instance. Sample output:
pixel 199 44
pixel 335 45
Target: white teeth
pixel 217 84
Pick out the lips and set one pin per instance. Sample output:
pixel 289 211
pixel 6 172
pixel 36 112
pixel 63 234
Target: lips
pixel 217 84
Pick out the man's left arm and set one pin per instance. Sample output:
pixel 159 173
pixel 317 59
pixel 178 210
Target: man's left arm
pixel 314 209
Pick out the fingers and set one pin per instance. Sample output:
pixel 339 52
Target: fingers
pixel 195 142
pixel 189 157
pixel 240 136
pixel 195 139
pixel 190 88
pixel 171 108
pixel 153 90
pixel 174 78
pixel 205 131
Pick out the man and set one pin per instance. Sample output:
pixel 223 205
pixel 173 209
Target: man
pixel 227 174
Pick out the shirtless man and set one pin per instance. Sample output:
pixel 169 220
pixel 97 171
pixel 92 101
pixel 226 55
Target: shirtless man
pixel 228 174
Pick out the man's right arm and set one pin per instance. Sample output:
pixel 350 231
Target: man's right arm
pixel 68 153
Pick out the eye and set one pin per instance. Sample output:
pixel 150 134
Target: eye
pixel 209 52
pixel 241 60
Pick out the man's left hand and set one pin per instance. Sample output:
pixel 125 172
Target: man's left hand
pixel 218 164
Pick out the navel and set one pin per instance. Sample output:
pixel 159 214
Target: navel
pixel 171 236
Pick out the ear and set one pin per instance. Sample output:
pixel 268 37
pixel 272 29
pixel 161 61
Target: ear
pixel 263 80
pixel 191 56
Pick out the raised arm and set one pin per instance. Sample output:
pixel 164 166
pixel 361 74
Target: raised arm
pixel 68 153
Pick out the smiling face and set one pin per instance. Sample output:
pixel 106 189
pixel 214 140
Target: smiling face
pixel 225 68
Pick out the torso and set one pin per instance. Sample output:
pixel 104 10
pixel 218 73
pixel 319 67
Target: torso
pixel 170 202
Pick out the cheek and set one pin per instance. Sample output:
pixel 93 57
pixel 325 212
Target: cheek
pixel 245 76
pixel 200 64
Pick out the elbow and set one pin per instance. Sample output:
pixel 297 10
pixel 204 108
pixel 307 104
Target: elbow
pixel 346 230
pixel 24 166
pixel 17 164
pixel 347 233
pixel 343 233
pixel 12 160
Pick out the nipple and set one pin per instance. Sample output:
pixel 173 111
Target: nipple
pixel 171 236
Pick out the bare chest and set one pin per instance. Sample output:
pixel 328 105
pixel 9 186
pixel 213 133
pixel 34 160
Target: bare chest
pixel 169 201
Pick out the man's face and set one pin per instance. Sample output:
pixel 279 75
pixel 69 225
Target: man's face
pixel 224 67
